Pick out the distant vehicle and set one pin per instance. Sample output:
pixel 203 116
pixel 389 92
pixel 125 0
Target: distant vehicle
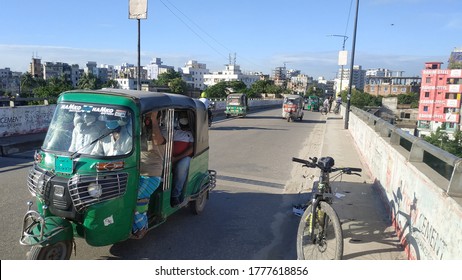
pixel 292 107
pixel 237 104
pixel 312 103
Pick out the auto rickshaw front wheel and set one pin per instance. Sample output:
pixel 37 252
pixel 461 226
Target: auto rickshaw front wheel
pixel 198 205
pixel 59 251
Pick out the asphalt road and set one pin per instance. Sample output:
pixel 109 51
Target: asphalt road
pixel 249 214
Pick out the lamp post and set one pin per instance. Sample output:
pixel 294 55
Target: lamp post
pixel 342 57
pixel 347 113
pixel 138 9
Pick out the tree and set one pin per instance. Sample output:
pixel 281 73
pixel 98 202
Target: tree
pixel 440 139
pixel 111 84
pixel 409 98
pixel 89 81
pixel 164 79
pixel 53 87
pixel 28 83
pixel 219 90
pixel 177 85
pixel 362 99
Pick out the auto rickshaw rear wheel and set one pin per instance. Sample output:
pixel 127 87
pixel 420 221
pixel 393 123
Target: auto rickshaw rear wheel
pixel 198 205
pixel 59 251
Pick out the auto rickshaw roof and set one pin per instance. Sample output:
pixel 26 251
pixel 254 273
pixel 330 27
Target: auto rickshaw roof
pixel 149 101
pixel 292 96
pixel 236 94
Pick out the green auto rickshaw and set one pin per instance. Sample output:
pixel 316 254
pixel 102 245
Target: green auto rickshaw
pixel 312 103
pixel 86 187
pixel 237 104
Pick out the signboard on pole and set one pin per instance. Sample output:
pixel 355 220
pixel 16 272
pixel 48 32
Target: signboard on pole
pixel 342 58
pixel 137 9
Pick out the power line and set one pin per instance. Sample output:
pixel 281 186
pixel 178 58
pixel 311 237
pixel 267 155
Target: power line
pixel 202 30
pixel 192 30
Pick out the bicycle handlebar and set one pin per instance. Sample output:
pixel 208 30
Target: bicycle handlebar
pixel 313 164
pixel 299 160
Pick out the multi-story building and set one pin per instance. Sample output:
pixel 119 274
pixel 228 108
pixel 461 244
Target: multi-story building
pixel 327 86
pixel 61 69
pixel 193 73
pixel 232 72
pixel 280 76
pixel 385 82
pixel 155 68
pixel 300 83
pixel 9 81
pixel 91 68
pixel 35 68
pixel 342 81
pixel 440 99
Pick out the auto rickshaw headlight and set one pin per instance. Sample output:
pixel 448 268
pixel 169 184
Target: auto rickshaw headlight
pixel 95 190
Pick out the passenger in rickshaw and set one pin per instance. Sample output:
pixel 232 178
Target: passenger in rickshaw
pixel 86 129
pixel 183 140
pixel 151 167
pixel 119 141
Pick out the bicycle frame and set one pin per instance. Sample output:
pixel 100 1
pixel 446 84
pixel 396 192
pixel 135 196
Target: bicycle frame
pixel 321 192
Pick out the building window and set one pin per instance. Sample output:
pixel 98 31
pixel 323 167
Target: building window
pixel 395 89
pixel 427 94
pixel 450 95
pixel 425 108
pixel 403 89
pixel 428 80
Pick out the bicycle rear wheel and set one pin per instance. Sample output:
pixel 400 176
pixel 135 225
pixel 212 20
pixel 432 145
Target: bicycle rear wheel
pixel 328 243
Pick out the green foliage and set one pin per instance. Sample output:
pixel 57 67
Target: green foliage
pixel 313 90
pixel 222 89
pixel 52 88
pixel 441 139
pixel 178 85
pixel 111 84
pixel 409 98
pixel 89 81
pixel 219 90
pixel 165 78
pixel 361 99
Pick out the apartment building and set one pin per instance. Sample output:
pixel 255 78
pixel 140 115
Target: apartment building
pixel 232 72
pixel 440 99
pixel 193 74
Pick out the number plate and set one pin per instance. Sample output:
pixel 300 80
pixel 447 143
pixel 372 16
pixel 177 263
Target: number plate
pixel 64 165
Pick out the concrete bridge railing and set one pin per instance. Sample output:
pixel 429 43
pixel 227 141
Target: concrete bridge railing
pixel 420 184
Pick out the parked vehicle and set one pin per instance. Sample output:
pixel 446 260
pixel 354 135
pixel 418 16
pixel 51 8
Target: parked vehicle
pixel 292 107
pixel 237 104
pixel 312 103
pixel 319 234
pixel 83 193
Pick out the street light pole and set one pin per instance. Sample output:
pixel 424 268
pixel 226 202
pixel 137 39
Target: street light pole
pixel 138 9
pixel 347 113
pixel 342 64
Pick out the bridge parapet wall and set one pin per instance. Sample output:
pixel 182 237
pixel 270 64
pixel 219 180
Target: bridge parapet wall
pixel 420 184
pixel 22 120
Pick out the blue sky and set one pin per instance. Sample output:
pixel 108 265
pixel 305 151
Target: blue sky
pixel 394 34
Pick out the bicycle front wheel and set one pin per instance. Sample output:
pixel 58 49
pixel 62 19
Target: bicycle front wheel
pixel 327 240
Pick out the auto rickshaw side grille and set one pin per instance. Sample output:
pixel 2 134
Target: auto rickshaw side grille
pixel 37 181
pixel 112 185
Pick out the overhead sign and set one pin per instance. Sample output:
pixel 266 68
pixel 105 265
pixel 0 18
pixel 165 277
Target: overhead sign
pixel 137 9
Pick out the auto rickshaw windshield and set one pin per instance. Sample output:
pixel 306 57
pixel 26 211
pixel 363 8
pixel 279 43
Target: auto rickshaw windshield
pixel 77 128
pixel 234 101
